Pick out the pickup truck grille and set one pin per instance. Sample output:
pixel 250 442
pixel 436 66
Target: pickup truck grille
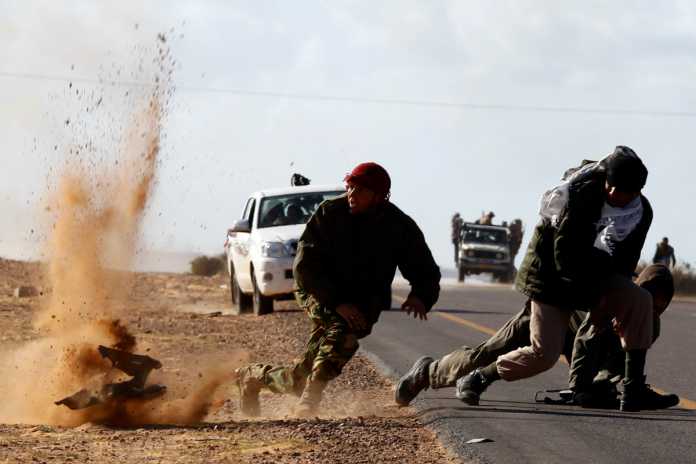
pixel 486 254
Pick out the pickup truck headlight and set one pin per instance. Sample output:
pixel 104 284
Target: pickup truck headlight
pixel 274 250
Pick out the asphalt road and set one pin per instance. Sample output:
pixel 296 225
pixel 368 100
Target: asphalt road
pixel 522 430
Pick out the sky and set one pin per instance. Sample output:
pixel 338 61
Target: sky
pixel 470 105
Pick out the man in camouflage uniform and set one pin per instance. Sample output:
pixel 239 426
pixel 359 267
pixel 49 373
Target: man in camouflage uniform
pixel 345 264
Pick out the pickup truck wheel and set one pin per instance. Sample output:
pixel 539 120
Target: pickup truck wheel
pixel 262 304
pixel 462 274
pixel 505 277
pixel 241 303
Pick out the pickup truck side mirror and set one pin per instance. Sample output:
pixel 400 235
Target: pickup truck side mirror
pixel 242 226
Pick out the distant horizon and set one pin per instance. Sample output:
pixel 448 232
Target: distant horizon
pixel 470 106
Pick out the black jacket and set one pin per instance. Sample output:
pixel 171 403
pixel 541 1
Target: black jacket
pixel 562 267
pixel 346 258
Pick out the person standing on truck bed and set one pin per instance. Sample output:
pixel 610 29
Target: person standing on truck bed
pixel 457 224
pixel 486 219
pixel 345 264
pixel 664 254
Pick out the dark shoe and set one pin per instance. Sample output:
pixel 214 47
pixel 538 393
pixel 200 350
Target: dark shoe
pixel 310 399
pixel 249 388
pixel 595 400
pixel 642 397
pixel 599 395
pixel 470 387
pixel 413 382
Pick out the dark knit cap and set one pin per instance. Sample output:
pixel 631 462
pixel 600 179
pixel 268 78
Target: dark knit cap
pixel 625 170
pixel 657 278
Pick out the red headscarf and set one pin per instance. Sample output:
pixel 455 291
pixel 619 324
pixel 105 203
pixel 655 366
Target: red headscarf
pixel 370 175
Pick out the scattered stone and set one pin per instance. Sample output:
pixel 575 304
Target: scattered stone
pixel 478 440
pixel 25 291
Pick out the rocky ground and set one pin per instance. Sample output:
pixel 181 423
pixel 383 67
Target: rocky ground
pixel 184 321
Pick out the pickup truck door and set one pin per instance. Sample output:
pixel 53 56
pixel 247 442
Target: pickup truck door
pixel 240 243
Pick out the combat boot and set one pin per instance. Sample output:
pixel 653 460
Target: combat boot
pixel 470 387
pixel 249 388
pixel 600 395
pixel 638 396
pixel 413 382
pixel 310 399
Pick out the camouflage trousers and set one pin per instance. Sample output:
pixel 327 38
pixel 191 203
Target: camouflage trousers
pixel 330 346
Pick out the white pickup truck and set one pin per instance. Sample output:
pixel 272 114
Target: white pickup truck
pixel 261 246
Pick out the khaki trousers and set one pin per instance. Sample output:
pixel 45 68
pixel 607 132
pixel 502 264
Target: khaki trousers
pixel 547 330
pixel 622 300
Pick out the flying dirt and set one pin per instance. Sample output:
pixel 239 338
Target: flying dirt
pixel 97 210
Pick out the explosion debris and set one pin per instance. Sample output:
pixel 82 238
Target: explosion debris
pixel 136 365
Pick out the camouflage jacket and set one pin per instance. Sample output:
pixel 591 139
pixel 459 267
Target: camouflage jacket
pixel 346 258
pixel 562 267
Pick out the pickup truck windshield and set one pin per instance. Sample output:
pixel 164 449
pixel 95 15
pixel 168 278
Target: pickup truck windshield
pixel 481 235
pixel 291 209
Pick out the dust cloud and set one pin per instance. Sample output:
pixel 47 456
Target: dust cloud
pixel 97 209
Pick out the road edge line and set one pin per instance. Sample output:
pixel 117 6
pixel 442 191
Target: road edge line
pixel 449 442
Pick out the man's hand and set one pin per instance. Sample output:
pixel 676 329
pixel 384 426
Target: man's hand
pixel 352 315
pixel 415 306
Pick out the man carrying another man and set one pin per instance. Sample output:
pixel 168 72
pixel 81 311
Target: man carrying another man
pixel 582 255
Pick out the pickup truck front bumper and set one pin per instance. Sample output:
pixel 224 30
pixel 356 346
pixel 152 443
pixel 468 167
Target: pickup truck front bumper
pixel 274 277
pixel 484 265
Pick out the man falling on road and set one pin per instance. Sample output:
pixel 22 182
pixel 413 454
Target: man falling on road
pixel 345 264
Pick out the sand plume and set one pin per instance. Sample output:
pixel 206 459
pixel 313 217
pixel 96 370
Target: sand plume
pixel 98 209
